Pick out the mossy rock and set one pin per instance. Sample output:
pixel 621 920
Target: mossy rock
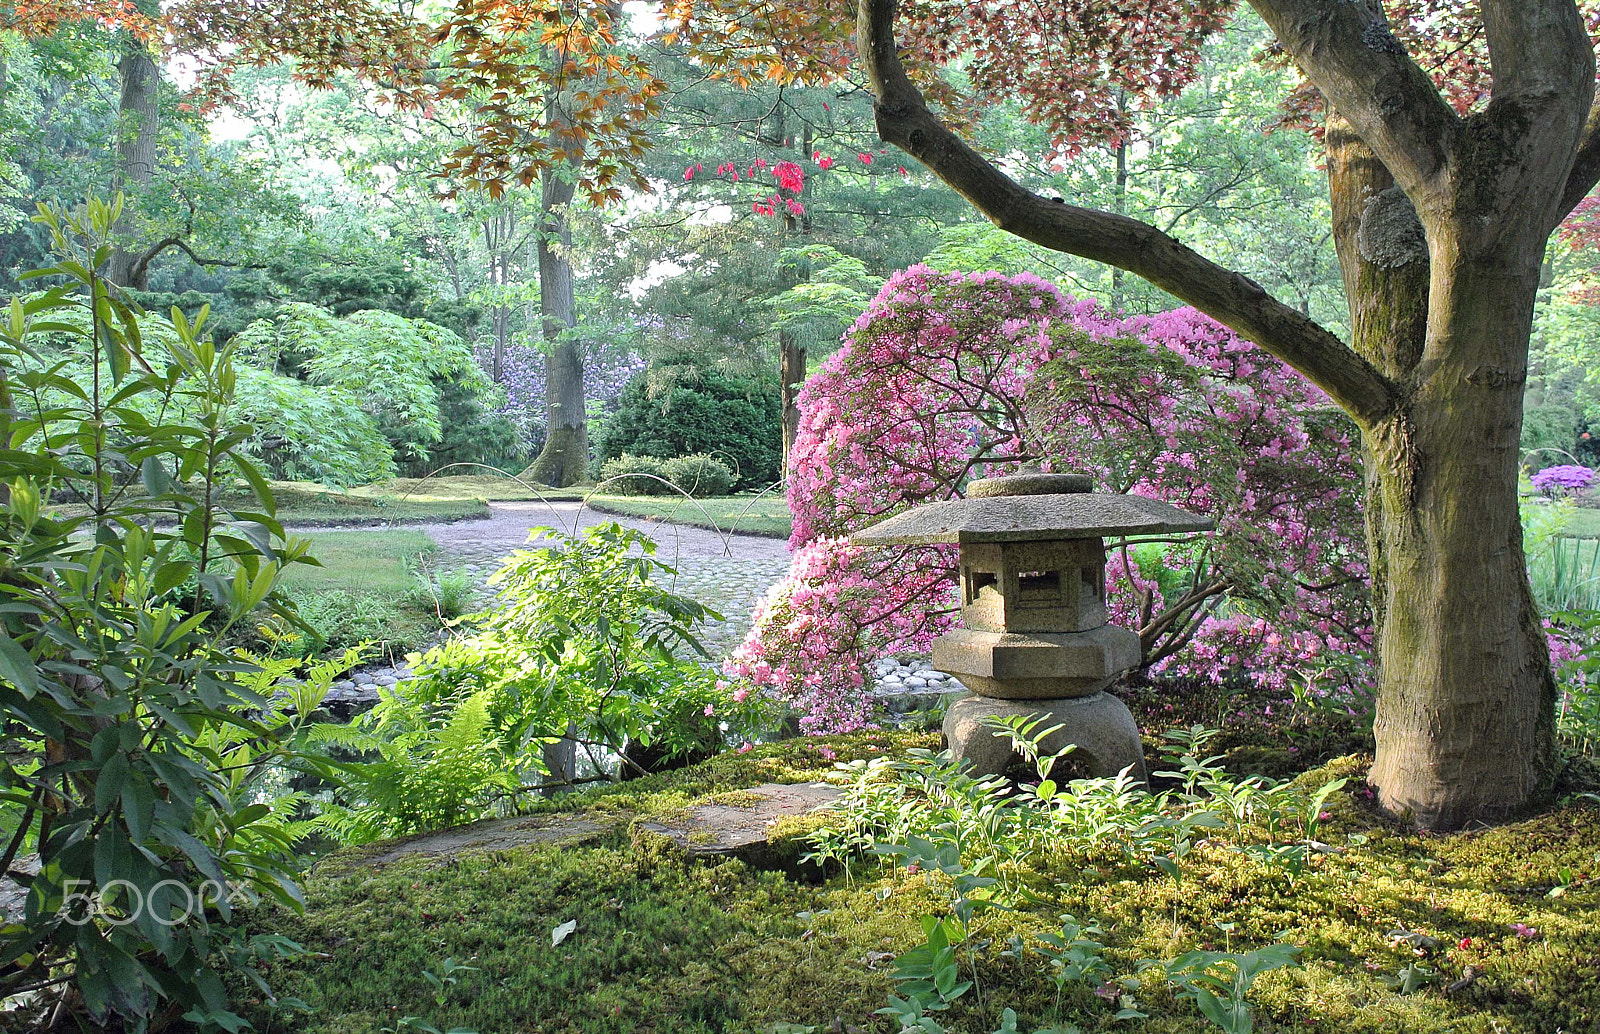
pixel 742 824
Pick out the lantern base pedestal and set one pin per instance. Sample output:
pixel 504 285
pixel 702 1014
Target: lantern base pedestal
pixel 1101 726
pixel 1031 666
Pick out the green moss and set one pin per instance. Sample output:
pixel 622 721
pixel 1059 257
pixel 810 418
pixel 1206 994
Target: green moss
pixel 665 945
pixel 737 799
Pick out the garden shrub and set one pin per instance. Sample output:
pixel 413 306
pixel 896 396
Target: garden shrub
pixel 1563 479
pixel 305 432
pixel 1549 432
pixel 583 647
pixel 700 475
pixel 949 377
pixel 634 475
pixel 473 431
pixel 297 431
pixel 738 421
pixel 139 748
pixel 407 375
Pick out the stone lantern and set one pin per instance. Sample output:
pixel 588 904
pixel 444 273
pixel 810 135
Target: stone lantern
pixel 1033 601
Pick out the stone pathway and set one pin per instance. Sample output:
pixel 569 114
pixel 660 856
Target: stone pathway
pixel 499 835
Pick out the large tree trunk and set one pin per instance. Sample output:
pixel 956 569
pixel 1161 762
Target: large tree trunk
pixel 138 110
pixel 1465 720
pixel 564 460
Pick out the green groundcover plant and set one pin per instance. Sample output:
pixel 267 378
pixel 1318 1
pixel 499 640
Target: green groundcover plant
pixel 585 660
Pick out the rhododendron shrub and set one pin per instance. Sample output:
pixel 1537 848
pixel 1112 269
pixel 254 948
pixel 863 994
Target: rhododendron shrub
pixel 840 607
pixel 1567 479
pixel 949 377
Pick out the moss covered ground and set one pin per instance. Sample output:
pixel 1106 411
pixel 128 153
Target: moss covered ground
pixel 1506 924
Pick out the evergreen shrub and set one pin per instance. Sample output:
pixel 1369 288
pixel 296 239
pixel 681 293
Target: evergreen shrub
pixel 739 421
pixel 647 469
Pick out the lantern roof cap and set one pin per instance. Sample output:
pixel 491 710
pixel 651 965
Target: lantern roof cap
pixel 1031 508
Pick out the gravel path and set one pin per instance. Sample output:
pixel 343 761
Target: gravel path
pixel 728 573
pixel 490 539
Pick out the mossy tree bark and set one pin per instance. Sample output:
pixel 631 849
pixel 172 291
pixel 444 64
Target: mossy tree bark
pixel 1465 716
pixel 1441 222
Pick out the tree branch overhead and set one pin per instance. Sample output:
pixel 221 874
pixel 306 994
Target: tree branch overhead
pixel 1227 296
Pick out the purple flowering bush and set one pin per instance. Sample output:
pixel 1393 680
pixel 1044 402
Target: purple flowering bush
pixel 1567 479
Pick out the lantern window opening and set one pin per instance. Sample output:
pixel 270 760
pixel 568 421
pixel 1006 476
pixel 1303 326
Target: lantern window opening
pixel 1039 584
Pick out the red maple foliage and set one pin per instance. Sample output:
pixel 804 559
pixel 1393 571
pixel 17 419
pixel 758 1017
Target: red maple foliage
pixel 548 84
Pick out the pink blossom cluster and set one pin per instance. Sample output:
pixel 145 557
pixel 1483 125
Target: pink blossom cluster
pixel 840 607
pixel 949 377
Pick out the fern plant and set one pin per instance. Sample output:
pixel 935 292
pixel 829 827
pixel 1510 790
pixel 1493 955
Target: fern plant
pixel 584 647
pixel 435 766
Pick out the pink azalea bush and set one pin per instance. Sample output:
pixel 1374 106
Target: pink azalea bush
pixel 949 377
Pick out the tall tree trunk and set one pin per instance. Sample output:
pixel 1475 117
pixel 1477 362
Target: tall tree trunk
pixel 791 374
pixel 565 457
pixel 1465 727
pixel 137 119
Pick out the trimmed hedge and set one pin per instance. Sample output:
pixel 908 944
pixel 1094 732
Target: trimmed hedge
pixel 648 468
pixel 700 475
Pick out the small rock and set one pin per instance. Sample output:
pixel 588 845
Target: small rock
pixel 385 680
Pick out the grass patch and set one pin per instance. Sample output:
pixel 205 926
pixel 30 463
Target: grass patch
pixel 1585 524
pixel 671 947
pixel 767 515
pixel 480 486
pixel 361 561
pixel 367 590
pixel 302 502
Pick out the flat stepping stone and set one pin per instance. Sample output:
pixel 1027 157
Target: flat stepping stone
pixel 497 835
pixel 739 824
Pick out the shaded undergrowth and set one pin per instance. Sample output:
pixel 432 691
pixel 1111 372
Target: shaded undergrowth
pixel 1488 931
